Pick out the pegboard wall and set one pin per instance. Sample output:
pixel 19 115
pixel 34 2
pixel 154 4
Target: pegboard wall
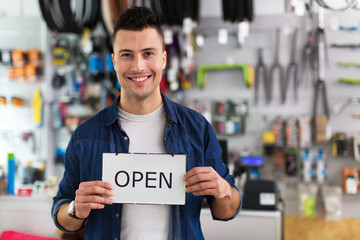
pixel 229 84
pixel 224 84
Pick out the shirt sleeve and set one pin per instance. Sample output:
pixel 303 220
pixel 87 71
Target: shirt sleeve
pixel 212 153
pixel 69 183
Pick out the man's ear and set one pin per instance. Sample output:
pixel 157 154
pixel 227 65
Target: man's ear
pixel 164 60
pixel 113 57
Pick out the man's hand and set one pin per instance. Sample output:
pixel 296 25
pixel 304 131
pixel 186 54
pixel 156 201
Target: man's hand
pixel 89 196
pixel 206 181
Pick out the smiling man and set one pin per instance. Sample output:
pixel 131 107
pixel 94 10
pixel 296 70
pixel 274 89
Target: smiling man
pixel 142 120
pixel 139 59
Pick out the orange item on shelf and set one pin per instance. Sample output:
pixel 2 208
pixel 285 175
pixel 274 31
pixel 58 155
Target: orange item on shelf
pixel 19 73
pixel 351 173
pixel 11 73
pixel 18 58
pixel 34 56
pixel 16 101
pixel 30 72
pixel 2 100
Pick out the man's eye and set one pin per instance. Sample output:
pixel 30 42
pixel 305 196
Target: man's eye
pixel 149 53
pixel 125 55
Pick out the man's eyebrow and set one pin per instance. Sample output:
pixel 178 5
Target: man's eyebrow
pixel 124 50
pixel 143 50
pixel 149 49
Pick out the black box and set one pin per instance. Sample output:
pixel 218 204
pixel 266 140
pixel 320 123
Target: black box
pixel 260 195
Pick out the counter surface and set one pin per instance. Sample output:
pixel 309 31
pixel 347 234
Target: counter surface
pixel 32 215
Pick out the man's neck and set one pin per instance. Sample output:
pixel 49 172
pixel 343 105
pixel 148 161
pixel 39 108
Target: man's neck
pixel 137 107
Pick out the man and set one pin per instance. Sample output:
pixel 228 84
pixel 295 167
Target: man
pixel 142 120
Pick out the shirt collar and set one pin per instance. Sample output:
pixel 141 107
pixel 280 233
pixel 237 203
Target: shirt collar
pixel 112 114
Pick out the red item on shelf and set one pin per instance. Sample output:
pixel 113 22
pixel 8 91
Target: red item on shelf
pixel 12 235
pixel 24 192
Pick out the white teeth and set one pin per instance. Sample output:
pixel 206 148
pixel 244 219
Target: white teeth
pixel 139 79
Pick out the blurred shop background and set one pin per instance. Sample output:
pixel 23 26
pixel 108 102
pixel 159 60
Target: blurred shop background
pixel 278 80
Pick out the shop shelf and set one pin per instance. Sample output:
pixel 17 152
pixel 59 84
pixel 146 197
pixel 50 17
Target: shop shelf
pixel 16 118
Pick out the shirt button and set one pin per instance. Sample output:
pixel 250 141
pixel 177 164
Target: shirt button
pixel 117 215
pixel 126 138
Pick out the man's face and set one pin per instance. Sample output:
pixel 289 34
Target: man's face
pixel 139 60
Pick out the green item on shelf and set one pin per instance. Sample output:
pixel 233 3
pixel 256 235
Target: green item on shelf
pixel 309 207
pixel 348 64
pixel 350 80
pixel 201 77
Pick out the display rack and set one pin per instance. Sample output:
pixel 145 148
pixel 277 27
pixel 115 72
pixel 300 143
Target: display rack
pixel 18 132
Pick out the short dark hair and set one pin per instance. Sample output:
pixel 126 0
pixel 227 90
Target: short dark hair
pixel 137 19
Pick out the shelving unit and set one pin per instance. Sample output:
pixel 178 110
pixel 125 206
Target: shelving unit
pixel 18 133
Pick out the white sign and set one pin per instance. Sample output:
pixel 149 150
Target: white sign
pixel 145 178
pixel 267 199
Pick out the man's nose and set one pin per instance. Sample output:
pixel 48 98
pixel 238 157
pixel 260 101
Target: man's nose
pixel 138 64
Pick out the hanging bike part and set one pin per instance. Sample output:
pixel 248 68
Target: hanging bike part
pixel 338 5
pixel 261 76
pixel 319 124
pixel 291 71
pixel 61 17
pixel 276 70
pixel 307 69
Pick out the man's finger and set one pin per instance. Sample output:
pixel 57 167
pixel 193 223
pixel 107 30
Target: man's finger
pixel 200 186
pixel 91 190
pixel 96 183
pixel 197 170
pixel 93 199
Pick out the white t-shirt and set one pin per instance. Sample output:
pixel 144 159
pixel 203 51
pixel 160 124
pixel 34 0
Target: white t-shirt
pixel 145 132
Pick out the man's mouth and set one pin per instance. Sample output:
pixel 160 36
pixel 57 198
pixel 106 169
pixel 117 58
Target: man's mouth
pixel 139 79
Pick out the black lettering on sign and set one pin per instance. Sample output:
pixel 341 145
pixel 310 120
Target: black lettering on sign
pixel 137 179
pixel 150 179
pixel 127 178
pixel 169 184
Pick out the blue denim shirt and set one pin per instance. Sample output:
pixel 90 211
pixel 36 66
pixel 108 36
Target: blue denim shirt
pixel 186 132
